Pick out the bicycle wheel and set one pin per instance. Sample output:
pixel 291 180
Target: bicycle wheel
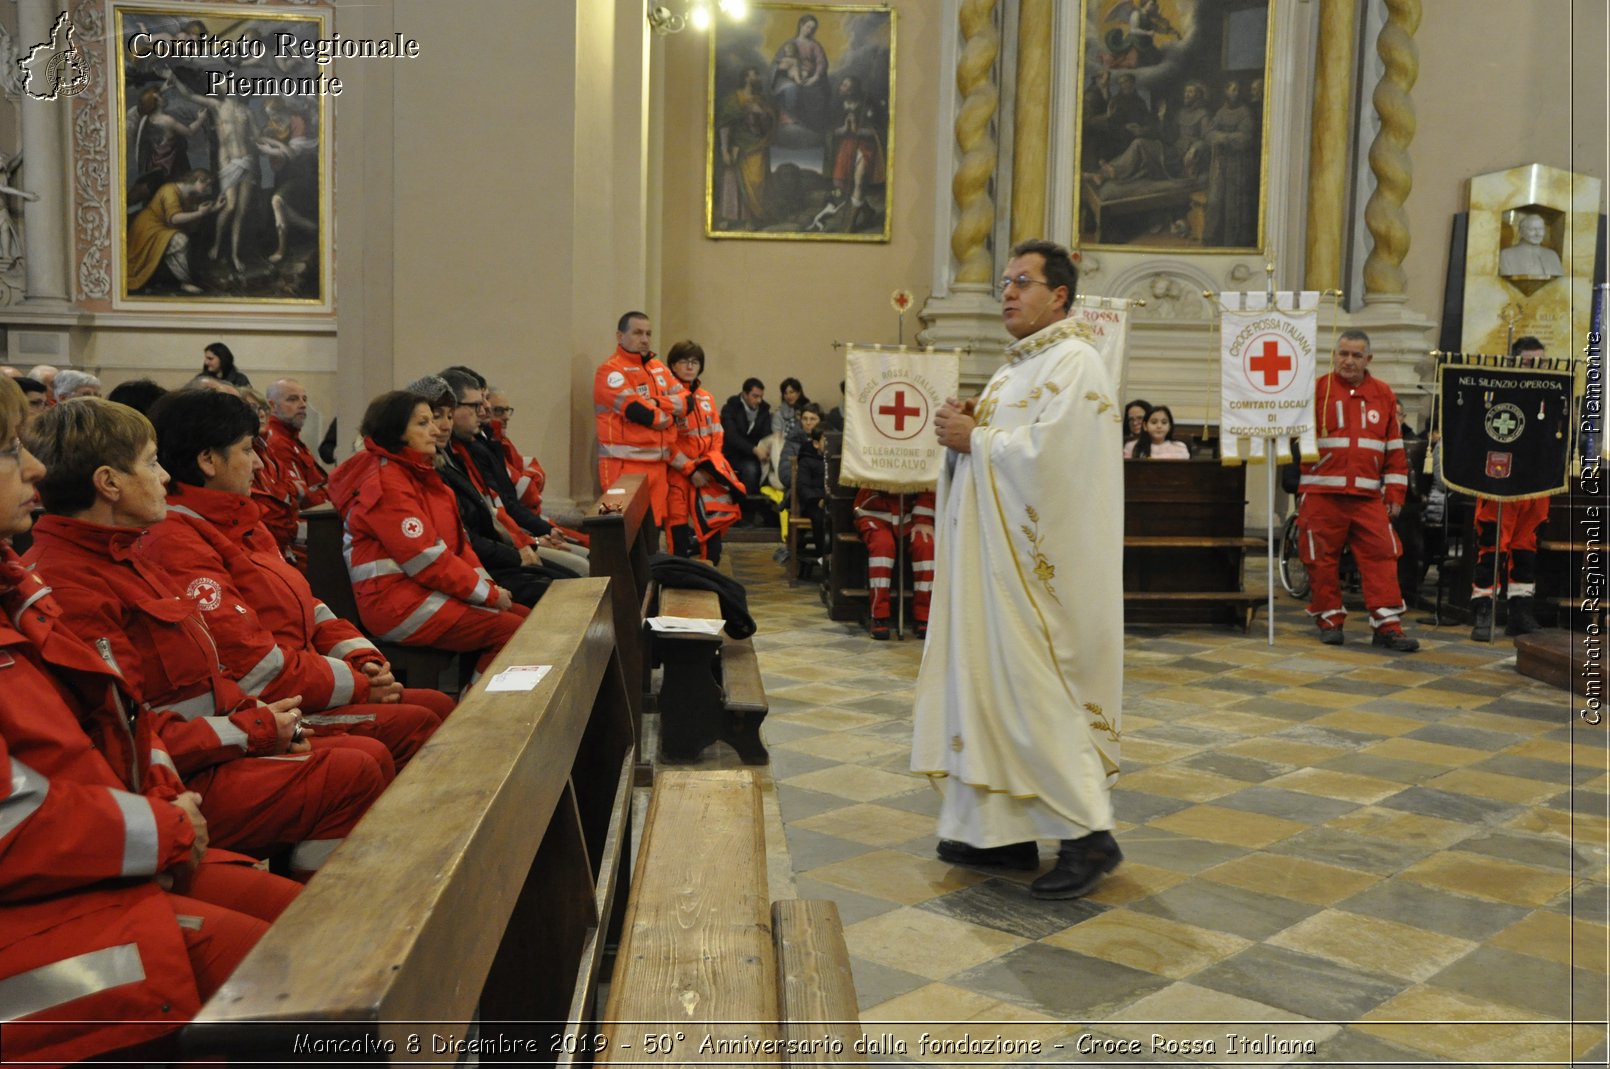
pixel 1293 574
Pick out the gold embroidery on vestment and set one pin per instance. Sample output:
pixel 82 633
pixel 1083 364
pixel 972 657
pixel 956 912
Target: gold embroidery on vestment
pixel 1044 570
pixel 1099 721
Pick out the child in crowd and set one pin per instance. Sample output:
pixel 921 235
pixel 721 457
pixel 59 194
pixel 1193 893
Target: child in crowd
pixel 1157 442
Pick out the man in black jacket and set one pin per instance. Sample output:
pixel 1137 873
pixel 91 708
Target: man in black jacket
pixel 745 425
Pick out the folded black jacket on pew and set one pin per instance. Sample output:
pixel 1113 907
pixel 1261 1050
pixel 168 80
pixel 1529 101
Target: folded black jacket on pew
pixel 697 575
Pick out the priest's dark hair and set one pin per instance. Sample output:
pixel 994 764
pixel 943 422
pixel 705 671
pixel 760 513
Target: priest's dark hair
pixel 1059 268
pixel 190 422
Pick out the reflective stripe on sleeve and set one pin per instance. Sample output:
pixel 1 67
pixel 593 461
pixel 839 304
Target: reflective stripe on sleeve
pixel 1322 480
pixel 322 613
pixel 349 645
pixel 139 833
pixel 1366 484
pixel 28 790
pixel 264 672
pixel 1397 480
pixel 309 854
pixel 374 569
pixel 1375 445
pixel 229 734
pixel 1332 443
pixel 414 565
pixel 343 685
pixel 189 709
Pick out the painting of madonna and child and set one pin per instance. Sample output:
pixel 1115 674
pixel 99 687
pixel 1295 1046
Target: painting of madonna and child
pixel 801 110
pixel 1171 124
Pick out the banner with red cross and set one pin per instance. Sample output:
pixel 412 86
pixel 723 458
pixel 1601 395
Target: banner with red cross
pixel 1268 358
pixel 890 397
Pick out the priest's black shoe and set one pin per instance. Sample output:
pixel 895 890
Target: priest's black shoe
pixel 1025 856
pixel 1081 863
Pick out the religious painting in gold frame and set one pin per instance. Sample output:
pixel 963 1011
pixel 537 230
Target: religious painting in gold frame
pixel 800 124
pixel 1172 149
pixel 223 158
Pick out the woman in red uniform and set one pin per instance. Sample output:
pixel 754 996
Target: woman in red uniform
pixel 274 637
pixel 704 490
pixel 415 577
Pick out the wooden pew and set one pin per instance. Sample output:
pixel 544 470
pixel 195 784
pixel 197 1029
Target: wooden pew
pixel 485 881
pixel 702 976
pixel 416 666
pixel 621 541
pixel 1185 543
pixel 711 687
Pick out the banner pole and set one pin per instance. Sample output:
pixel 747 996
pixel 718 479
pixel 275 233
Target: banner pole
pixel 900 568
pixel 1269 545
pixel 1498 558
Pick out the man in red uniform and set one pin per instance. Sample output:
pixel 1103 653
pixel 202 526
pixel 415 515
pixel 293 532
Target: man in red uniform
pixel 636 403
pixel 301 481
pixel 880 518
pixel 1352 493
pixel 1516 543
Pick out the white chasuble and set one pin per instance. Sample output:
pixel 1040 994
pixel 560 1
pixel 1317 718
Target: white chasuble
pixel 1016 713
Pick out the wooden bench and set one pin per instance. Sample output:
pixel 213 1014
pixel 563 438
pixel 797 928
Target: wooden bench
pixel 704 976
pixel 416 666
pixel 711 687
pixel 483 883
pixel 621 541
pixel 1185 543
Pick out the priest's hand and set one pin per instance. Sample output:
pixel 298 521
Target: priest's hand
pixel 954 426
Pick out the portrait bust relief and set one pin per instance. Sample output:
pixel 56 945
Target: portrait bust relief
pixel 1529 257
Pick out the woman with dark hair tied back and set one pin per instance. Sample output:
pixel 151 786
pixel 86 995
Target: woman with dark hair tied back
pixel 103 850
pixel 416 579
pixel 273 635
pixel 219 363
pixel 793 403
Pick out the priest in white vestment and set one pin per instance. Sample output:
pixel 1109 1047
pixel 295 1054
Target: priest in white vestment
pixel 1016 715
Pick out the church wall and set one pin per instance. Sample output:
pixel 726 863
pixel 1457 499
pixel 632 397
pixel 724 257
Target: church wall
pixel 774 308
pixel 1501 84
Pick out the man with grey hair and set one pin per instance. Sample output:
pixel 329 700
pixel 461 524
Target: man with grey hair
pixel 73 383
pixel 1351 495
pixel 291 479
pixel 44 373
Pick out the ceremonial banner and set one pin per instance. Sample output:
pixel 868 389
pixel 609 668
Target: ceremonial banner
pixel 890 397
pixel 1506 432
pixel 1108 320
pixel 1266 372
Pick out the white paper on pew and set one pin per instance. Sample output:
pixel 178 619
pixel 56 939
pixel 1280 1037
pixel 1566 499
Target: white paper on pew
pixel 688 625
pixel 519 677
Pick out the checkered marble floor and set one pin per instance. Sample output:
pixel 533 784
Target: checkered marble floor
pixel 1345 855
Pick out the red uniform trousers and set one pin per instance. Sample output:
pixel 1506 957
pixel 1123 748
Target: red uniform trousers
pixel 655 483
pixel 401 727
pixel 1328 522
pixel 879 538
pixel 308 802
pixel 1517 542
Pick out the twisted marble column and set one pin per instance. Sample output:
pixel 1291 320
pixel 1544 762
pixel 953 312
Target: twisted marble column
pixel 1328 144
pixel 1389 154
pixel 969 241
pixel 1031 119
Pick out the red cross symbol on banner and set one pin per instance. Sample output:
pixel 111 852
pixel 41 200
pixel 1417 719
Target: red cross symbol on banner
pixel 899 410
pixel 1268 363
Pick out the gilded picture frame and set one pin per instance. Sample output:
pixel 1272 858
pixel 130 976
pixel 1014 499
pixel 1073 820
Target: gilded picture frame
pixel 799 141
pixel 1172 147
pixel 224 190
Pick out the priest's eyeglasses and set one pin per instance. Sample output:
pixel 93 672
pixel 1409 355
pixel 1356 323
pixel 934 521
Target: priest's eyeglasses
pixel 1022 282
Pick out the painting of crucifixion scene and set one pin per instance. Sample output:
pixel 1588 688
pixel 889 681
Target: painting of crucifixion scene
pixel 224 195
pixel 801 117
pixel 1172 120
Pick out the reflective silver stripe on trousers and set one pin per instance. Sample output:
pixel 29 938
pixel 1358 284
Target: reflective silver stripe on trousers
pixel 28 790
pixel 139 833
pixel 264 672
pixel 309 854
pixel 71 978
pixel 348 645
pixel 418 618
pixel 416 564
pixel 374 569
pixel 880 562
pixel 228 734
pixel 523 485
pixel 189 709
pixel 343 685
pixel 322 613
